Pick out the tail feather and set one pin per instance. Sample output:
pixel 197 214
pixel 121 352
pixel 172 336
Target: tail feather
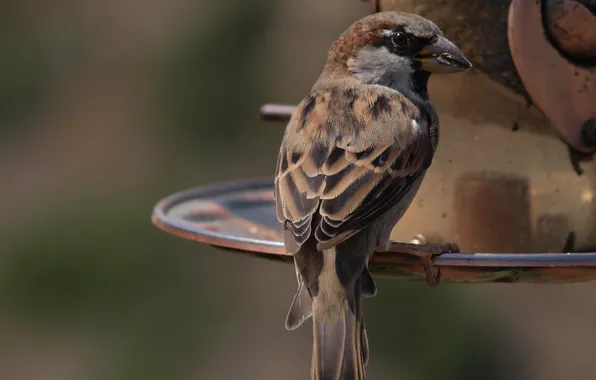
pixel 301 308
pixel 328 349
pixel 353 363
pixel 338 350
pixel 368 286
pixel 333 296
pixel 364 343
pixel 340 346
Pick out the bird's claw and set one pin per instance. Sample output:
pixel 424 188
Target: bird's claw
pixel 432 273
pixel 425 252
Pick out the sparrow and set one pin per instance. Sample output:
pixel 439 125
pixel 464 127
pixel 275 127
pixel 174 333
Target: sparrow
pixel 352 158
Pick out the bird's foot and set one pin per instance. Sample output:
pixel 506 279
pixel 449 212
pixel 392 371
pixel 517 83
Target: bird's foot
pixel 425 251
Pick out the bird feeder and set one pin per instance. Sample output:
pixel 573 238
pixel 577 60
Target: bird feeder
pixel 506 183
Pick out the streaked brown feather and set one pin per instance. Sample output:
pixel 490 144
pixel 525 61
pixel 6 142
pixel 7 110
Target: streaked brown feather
pixel 349 154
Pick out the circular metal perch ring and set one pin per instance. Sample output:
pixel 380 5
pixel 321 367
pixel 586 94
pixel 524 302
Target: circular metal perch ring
pixel 240 216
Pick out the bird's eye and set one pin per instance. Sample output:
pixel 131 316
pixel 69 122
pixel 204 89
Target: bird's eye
pixel 400 39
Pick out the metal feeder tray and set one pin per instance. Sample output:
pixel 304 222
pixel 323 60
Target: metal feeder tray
pixel 240 216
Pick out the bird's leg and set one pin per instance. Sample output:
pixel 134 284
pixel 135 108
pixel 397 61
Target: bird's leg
pixel 425 251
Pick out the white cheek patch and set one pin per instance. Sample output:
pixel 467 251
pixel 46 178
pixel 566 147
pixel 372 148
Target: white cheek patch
pixel 415 126
pixel 351 65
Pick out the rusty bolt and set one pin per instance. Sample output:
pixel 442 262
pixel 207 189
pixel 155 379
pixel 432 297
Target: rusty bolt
pixel 589 133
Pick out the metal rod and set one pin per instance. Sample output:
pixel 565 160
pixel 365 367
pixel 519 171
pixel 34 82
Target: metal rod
pixel 517 260
pixel 276 112
pixel 497 260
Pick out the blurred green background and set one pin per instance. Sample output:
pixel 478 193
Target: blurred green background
pixel 107 107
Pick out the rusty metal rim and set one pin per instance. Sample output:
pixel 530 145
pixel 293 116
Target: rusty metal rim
pixel 184 230
pixel 373 6
pixel 181 229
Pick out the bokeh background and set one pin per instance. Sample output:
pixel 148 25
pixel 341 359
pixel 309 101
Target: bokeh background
pixel 107 107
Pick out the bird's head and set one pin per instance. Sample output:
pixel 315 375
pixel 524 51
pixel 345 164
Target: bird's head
pixel 394 49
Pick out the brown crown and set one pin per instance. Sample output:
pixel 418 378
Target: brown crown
pixel 368 31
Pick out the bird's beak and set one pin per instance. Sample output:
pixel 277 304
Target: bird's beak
pixel 442 56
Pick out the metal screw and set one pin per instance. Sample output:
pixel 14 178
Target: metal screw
pixel 418 239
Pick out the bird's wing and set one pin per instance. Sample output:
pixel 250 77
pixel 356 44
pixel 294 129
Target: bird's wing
pixel 347 157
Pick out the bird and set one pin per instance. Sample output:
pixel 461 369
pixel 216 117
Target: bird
pixel 351 160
